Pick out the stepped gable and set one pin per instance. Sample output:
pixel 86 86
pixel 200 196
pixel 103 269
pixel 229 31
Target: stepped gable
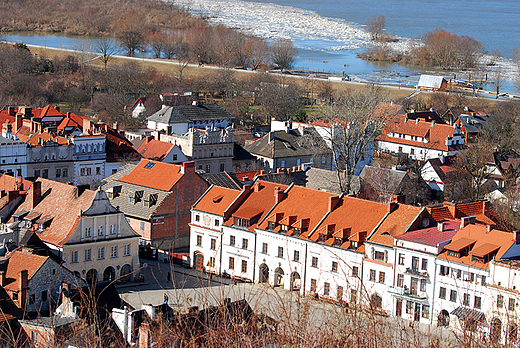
pixel 153 174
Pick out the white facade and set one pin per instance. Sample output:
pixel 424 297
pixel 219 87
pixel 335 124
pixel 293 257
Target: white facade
pixel 206 241
pixel 89 160
pixel 378 269
pixel 13 157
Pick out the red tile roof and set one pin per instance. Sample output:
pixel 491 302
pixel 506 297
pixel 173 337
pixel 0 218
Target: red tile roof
pixel 436 133
pixel 155 149
pixel 44 137
pixel 59 201
pixel 19 260
pixel 216 200
pixel 157 175
pixel 395 224
pixel 8 183
pixel 484 242
pixel 431 235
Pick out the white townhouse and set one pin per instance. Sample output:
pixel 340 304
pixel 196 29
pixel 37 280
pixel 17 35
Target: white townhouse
pixel 462 275
pixel 415 273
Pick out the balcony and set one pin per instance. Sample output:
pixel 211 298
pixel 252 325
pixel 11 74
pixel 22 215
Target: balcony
pixel 405 292
pixel 416 273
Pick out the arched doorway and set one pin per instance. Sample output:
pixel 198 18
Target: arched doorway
pixel 295 281
pixel 198 261
pixel 513 333
pixel 109 274
pixel 125 273
pixel 496 330
pixel 278 277
pixel 376 301
pixel 443 319
pixel 264 274
pixel 92 276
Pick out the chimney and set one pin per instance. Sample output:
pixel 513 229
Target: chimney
pixel 440 226
pixel 333 202
pixel 392 206
pixel 57 107
pixel 10 111
pixel 2 278
pixel 144 336
pixel 115 126
pixel 86 126
pixel 68 114
pixel 278 195
pixel 258 186
pixel 452 207
pixel 489 228
pixel 14 194
pixel 467 220
pixel 485 207
pixel 188 167
pixel 17 122
pixel 517 237
pixel 398 198
pixel 36 193
pixel 23 285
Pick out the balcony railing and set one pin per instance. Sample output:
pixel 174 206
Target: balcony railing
pixel 416 272
pixel 421 295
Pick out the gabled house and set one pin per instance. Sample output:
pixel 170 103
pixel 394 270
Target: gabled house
pixel 90 236
pixel 504 168
pixel 143 104
pixel 471 122
pixel 432 83
pixel 156 198
pixel 419 139
pixel 440 173
pixel 161 151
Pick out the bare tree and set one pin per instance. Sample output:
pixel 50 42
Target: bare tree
pixel 283 53
pixel 130 31
pixel 256 51
pixel 353 121
pixel 107 47
pixel 376 26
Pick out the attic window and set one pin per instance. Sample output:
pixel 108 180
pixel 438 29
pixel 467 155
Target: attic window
pixel 241 222
pixel 271 225
pixel 143 151
pixel 218 199
pixel 149 165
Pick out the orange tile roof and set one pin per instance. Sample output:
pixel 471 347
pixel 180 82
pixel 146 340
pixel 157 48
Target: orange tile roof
pixel 435 132
pixel 59 201
pixel 48 110
pixel 24 133
pixel 19 260
pixel 155 149
pixel 484 242
pixel 37 138
pixel 8 183
pixel 157 175
pixel 216 200
pixel 395 224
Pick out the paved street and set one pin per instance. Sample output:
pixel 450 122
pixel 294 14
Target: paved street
pixel 188 287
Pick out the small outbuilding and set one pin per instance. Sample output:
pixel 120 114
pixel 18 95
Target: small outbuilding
pixel 432 83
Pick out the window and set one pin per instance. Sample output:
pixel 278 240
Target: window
pixel 112 229
pixel 313 285
pixel 58 172
pixel 44 295
pixel 500 301
pixel 355 271
pixel 244 243
pixel 88 254
pixel 478 302
pixel 199 240
pixel 453 296
pixel 101 253
pixel 213 244
pixel 141 226
pixel 465 300
pixel 98 170
pixel 444 271
pixel 15 296
pixel 424 264
pixel 45 173
pixel 127 249
pixel 379 255
pixel 400 280
pixel 426 311
pixel 264 248
pixel 415 263
pixel 197 217
pixel 326 289
pixel 208 168
pixel 222 167
pixel 400 150
pixel 412 152
pixel 442 293
pixel 34 338
pixel 353 296
pixel 232 240
pixel 217 223
pixel 511 304
pixel 88 232
pixel 36 173
pixel 423 285
pixel 75 256
pixel 100 230
pixel 334 266
pixel 244 266
pixel 280 251
pixel 211 262
pixel 314 262
pixel 64 172
pixel 372 275
pixel 283 164
pixel 382 277
pixel 231 263
pixel 339 293
pixel 401 259
pixel 296 256
pixel 409 307
pixel 113 251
